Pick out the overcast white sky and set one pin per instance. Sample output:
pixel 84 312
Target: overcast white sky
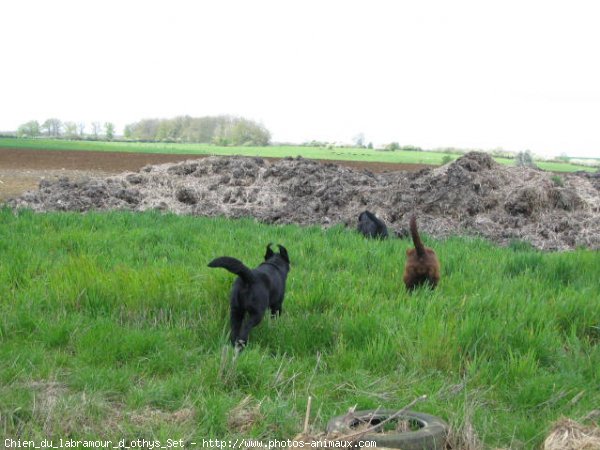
pixel 476 74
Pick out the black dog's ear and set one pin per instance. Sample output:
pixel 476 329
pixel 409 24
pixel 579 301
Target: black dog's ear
pixel 269 252
pixel 284 254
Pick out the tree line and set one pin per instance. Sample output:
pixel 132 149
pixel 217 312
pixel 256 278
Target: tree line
pixel 56 128
pixel 220 130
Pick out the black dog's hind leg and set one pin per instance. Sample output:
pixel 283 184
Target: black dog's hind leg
pixel 253 320
pixel 277 308
pixel 237 317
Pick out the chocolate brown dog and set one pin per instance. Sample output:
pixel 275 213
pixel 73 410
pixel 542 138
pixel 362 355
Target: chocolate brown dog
pixel 422 265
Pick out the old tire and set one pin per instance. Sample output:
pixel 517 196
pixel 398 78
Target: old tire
pixel 431 434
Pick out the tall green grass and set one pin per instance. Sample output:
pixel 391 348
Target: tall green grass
pixel 345 154
pixel 112 326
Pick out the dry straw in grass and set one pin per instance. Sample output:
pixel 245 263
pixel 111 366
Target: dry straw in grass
pixel 244 415
pixel 566 434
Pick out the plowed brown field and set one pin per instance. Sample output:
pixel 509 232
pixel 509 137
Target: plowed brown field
pixel 22 169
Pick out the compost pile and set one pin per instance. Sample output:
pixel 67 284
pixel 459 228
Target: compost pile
pixel 471 196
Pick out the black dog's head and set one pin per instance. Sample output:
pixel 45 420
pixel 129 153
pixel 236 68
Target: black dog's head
pixel 280 258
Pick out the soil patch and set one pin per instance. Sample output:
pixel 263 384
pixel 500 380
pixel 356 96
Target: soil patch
pixel 473 195
pixel 19 158
pixel 22 169
pixel 15 182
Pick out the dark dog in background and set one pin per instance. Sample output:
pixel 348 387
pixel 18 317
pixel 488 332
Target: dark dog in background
pixel 254 291
pixel 422 265
pixel 371 226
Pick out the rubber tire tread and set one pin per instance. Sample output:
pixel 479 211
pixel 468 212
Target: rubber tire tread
pixel 432 436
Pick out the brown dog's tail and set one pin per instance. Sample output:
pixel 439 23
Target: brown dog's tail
pixel 234 266
pixel 415 236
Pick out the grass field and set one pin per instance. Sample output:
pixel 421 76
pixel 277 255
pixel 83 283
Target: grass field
pixel 112 326
pixel 349 154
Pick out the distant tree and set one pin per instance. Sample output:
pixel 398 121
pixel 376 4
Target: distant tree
pixel 171 129
pixel 144 130
pixel 70 129
pixel 220 140
pixel 392 146
pixel 29 129
pixel 359 140
pixel 162 131
pixel 52 127
pixel 525 159
pixel 81 127
pixel 221 133
pixel 563 157
pixel 201 129
pixel 96 128
pixel 370 146
pixel 109 130
pixel 177 126
pixel 128 131
pixel 246 132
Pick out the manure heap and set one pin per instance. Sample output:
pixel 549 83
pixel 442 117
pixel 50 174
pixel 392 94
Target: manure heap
pixel 474 196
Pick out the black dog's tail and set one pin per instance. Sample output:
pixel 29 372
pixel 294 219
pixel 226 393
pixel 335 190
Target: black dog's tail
pixel 415 236
pixel 234 266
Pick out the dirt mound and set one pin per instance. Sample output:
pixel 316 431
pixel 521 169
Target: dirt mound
pixel 473 195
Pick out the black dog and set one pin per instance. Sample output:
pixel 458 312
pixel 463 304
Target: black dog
pixel 255 291
pixel 371 226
